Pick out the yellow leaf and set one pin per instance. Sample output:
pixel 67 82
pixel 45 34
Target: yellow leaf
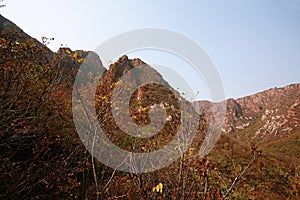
pixel 75 55
pixel 80 60
pixel 68 51
pixel 142 109
pixel 144 148
pixel 158 188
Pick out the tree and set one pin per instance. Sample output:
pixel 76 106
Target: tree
pixel 35 122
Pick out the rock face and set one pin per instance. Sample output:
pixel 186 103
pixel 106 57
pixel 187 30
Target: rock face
pixel 274 112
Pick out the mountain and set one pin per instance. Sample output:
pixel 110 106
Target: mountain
pixel 274 111
pixel 149 91
pixel 270 121
pixel 271 113
pixel 39 145
pixel 64 59
pixel 42 156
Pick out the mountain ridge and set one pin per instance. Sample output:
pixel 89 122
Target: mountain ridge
pixel 274 107
pixel 256 113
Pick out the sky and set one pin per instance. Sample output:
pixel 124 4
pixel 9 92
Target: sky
pixel 254 45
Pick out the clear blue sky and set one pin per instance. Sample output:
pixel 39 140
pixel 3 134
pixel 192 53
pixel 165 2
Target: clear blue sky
pixel 254 44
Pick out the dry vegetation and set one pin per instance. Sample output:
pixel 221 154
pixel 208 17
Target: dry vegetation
pixel 42 156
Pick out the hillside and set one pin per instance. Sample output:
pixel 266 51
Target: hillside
pixel 42 156
pixel 270 120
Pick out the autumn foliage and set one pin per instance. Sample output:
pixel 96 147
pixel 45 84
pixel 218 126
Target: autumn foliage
pixel 42 156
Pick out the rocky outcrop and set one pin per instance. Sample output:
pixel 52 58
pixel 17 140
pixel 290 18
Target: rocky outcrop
pixel 272 112
pixel 70 60
pixel 144 90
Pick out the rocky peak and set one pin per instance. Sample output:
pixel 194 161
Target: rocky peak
pixel 123 65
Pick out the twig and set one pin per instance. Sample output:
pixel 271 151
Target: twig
pixel 237 178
